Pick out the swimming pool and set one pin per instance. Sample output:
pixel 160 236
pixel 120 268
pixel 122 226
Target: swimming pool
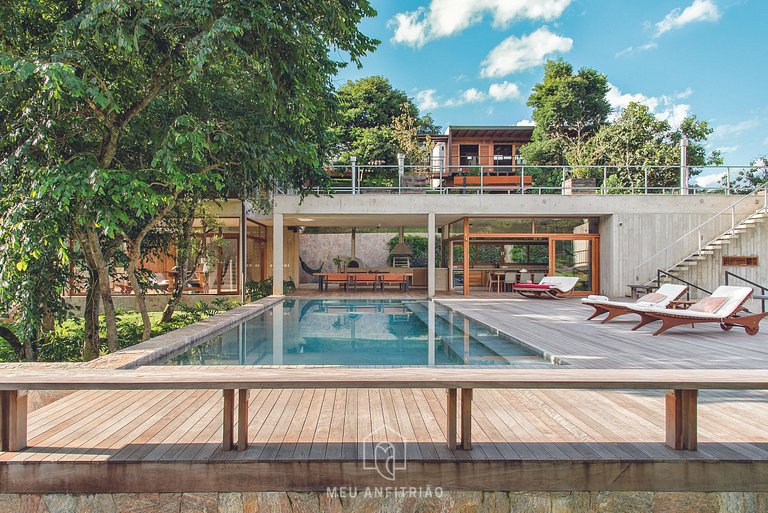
pixel 360 333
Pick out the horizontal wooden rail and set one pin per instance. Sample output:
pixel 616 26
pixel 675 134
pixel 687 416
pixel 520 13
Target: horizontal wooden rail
pixel 682 388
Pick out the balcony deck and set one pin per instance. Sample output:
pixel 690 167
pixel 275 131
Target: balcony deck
pixel 93 441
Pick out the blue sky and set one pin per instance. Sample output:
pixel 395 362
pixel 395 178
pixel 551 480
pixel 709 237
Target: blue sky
pixel 473 62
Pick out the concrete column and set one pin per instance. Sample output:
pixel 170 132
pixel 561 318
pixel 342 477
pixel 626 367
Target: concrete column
pixel 277 333
pixel 431 334
pixel 277 254
pixel 431 254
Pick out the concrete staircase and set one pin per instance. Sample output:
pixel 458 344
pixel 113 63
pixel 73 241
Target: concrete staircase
pixel 706 240
pixel 714 246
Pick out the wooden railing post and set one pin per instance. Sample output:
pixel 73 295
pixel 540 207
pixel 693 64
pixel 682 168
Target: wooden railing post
pixel 13 420
pixel 681 423
pixel 229 419
pixel 466 419
pixel 242 419
pixel 451 414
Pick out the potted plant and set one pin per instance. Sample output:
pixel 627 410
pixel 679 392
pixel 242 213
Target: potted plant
pixel 581 181
pixel 341 263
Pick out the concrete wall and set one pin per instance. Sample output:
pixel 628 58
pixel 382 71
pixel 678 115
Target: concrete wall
pixel 632 227
pixel 628 239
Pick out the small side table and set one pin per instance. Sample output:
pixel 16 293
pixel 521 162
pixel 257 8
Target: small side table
pixel 682 304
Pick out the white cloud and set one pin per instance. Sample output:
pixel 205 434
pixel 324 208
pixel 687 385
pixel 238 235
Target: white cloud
pixel 426 100
pixel 444 18
pixel 663 107
pixel 684 94
pixel 709 180
pixel 699 10
pixel 728 149
pixel 504 91
pixel 619 100
pixel 471 95
pixel 525 122
pixel 636 49
pixel 765 141
pixel 409 28
pixel 518 54
pixel 724 131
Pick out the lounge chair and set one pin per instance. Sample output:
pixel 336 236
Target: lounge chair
pixel 665 294
pixel 555 287
pixel 722 307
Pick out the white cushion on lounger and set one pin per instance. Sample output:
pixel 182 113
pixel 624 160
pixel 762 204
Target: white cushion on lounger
pixel 668 289
pixel 736 296
pixel 561 283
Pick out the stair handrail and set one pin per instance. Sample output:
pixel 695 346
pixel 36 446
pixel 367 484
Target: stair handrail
pixel 729 209
pixel 762 288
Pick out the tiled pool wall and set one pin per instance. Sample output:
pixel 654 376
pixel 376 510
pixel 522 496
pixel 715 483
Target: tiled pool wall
pixel 447 502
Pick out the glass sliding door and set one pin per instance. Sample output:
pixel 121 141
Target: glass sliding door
pixel 574 257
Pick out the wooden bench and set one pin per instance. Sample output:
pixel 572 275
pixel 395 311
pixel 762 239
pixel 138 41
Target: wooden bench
pixel 681 387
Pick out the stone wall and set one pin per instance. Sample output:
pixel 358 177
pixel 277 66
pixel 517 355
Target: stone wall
pixel 321 248
pixel 449 502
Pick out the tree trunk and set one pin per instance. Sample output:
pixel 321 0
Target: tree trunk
pixel 141 304
pixel 92 342
pixel 133 261
pixel 183 262
pixel 13 341
pixel 99 265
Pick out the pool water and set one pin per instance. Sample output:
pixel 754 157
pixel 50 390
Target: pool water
pixel 360 333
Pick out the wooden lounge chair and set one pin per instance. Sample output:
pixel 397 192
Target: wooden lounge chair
pixel 665 294
pixel 364 279
pixel 555 287
pixel 721 307
pixel 398 279
pixel 341 278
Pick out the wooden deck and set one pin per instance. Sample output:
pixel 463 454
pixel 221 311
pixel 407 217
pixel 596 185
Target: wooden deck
pixel 128 441
pixel 559 329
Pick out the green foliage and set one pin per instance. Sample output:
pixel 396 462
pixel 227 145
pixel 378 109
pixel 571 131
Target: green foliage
pixel 256 290
pixel 419 245
pixel 111 111
pixel 572 129
pixel 568 109
pixel 756 176
pixel 368 107
pixel 65 344
pixel 637 138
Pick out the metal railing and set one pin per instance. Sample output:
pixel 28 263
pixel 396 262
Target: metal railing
pixel 763 290
pixel 661 273
pixel 719 225
pixel 438 178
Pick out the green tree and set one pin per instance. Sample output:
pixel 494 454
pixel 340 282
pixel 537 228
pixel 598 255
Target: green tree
pixel 368 107
pixel 638 140
pixel 749 179
pixel 568 110
pixel 114 110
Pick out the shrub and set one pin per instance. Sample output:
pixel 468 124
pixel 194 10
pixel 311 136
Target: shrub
pixel 256 290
